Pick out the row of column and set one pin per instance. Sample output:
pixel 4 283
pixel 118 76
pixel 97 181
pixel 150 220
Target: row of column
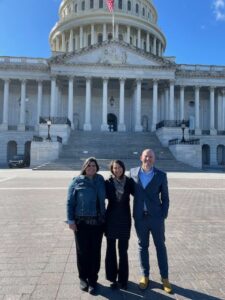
pixel 154 46
pixel 169 102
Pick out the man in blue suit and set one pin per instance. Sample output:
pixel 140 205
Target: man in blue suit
pixel 151 204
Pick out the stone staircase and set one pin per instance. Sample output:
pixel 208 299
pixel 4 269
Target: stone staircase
pixel 106 146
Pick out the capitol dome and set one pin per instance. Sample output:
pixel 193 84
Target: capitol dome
pixel 89 22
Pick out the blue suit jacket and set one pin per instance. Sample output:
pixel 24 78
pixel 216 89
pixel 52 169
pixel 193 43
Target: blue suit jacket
pixel 155 195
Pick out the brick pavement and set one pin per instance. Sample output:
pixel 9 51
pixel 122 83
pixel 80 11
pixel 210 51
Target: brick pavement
pixel 37 258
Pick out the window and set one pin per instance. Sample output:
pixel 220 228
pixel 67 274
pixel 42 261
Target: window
pixel 110 36
pixel 137 9
pixel 83 5
pixel 143 12
pixel 75 8
pixel 91 3
pixel 100 38
pixel 120 37
pixel 120 4
pixel 129 6
pixel 100 3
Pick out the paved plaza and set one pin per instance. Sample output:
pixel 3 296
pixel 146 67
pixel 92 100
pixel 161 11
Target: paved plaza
pixel 37 254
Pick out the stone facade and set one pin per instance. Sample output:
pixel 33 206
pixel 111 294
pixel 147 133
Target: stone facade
pixel 103 77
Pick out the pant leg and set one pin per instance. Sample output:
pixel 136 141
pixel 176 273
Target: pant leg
pixel 82 247
pixel 123 261
pixel 95 238
pixel 143 232
pixel 111 268
pixel 158 234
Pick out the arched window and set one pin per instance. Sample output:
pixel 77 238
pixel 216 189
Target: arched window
pixel 129 6
pixel 110 36
pixel 75 7
pixel 205 155
pixel 143 12
pixel 120 37
pixel 221 155
pixel 137 8
pixel 83 5
pixel 100 38
pixel 131 40
pixel 100 3
pixel 120 4
pixel 91 3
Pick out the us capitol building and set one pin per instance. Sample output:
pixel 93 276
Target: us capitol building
pixel 102 77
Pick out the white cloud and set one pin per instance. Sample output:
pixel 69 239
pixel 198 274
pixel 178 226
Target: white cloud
pixel 219 9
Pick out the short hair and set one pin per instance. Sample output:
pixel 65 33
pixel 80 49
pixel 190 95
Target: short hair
pixel 120 163
pixel 86 163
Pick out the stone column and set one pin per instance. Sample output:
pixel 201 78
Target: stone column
pixel 197 123
pixel 155 104
pixel 121 126
pixel 81 37
pixel 138 126
pixel 167 101
pixel 212 111
pixel 4 125
pixel 104 126
pixel 39 102
pixel 70 101
pixel 104 32
pixel 92 34
pixel 71 41
pixel 148 42
pixel 220 111
pixel 128 34
pixel 21 126
pixel 87 124
pixel 117 32
pixel 171 112
pixel 57 43
pixel 53 97
pixel 181 102
pixel 154 45
pixel 139 38
pixel 223 108
pixel 63 42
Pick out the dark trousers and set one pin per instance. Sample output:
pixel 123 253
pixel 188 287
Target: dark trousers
pixel 88 239
pixel 113 269
pixel 156 227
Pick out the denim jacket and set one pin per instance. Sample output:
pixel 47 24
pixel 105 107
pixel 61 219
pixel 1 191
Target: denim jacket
pixel 82 196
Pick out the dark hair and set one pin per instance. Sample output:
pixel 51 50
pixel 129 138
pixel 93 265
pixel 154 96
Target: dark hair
pixel 86 163
pixel 120 163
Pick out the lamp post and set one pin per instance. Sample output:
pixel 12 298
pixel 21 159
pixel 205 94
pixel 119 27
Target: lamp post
pixel 183 126
pixel 49 123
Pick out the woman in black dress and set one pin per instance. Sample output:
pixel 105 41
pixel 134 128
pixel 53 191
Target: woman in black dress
pixel 118 224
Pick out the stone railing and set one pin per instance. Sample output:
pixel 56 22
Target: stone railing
pixel 185 142
pixel 22 60
pixel 171 123
pixel 200 68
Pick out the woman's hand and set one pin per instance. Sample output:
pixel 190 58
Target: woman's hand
pixel 73 227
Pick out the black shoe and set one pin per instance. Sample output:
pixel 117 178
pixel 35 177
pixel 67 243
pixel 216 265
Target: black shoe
pixel 83 285
pixel 93 289
pixel 123 286
pixel 114 285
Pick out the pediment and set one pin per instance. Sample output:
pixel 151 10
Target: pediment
pixel 111 53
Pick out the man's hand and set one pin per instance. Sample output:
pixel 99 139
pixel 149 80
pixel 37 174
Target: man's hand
pixel 73 227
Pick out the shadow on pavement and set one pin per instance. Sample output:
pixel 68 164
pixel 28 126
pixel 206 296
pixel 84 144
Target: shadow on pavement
pixel 154 292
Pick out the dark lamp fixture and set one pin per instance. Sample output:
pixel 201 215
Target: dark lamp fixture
pixel 183 126
pixel 49 123
pixel 111 101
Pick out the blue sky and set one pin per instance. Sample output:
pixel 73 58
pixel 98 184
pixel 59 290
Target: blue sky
pixel 194 29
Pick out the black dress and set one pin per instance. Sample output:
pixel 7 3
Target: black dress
pixel 117 227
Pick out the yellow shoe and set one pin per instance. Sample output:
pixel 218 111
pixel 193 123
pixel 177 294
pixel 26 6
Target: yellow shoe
pixel 166 285
pixel 143 283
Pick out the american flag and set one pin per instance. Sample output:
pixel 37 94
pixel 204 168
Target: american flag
pixel 110 4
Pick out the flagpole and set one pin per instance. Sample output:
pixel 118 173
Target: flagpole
pixel 113 24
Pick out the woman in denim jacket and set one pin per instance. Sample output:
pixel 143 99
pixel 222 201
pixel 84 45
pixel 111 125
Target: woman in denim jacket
pixel 85 216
